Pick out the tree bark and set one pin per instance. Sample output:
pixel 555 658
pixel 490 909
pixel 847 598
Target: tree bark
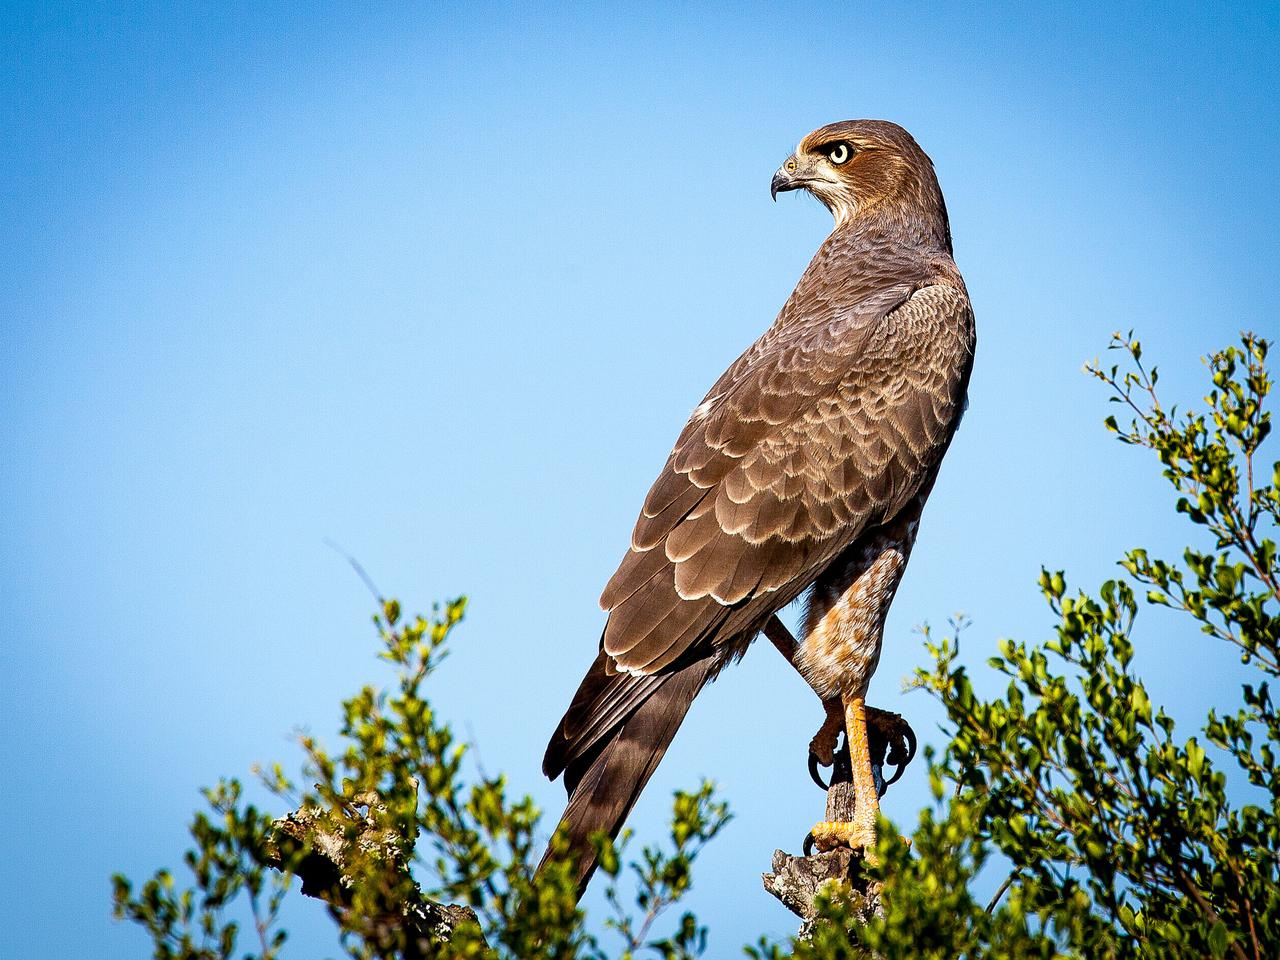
pixel 418 925
pixel 795 881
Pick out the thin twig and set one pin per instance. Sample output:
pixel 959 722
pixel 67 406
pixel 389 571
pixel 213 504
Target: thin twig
pixel 355 565
pixel 1004 887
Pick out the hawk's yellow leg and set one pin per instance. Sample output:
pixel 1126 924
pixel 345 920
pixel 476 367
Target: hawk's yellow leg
pixel 859 833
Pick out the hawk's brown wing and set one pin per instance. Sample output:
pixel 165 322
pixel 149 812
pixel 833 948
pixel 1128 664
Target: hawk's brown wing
pixel 819 432
pixel 826 426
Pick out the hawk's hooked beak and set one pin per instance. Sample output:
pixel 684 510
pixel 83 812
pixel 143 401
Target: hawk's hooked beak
pixel 785 179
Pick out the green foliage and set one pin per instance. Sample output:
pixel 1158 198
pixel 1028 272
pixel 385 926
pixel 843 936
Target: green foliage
pixel 1120 836
pixel 396 802
pixel 229 863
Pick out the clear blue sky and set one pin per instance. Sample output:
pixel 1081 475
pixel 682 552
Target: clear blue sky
pixel 443 285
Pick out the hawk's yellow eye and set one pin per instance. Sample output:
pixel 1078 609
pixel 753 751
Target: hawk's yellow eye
pixel 839 153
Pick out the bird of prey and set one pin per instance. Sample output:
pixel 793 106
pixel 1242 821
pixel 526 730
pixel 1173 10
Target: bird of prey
pixel 804 468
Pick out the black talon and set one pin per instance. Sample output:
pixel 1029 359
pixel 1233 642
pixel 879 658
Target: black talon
pixel 839 764
pixel 896 748
pixel 807 849
pixel 895 756
pixel 814 775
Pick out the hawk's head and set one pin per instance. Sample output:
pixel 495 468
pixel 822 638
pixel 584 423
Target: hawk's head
pixel 857 166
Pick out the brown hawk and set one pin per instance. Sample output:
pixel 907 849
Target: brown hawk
pixel 805 466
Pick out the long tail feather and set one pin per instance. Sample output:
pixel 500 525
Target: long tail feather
pixel 605 781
